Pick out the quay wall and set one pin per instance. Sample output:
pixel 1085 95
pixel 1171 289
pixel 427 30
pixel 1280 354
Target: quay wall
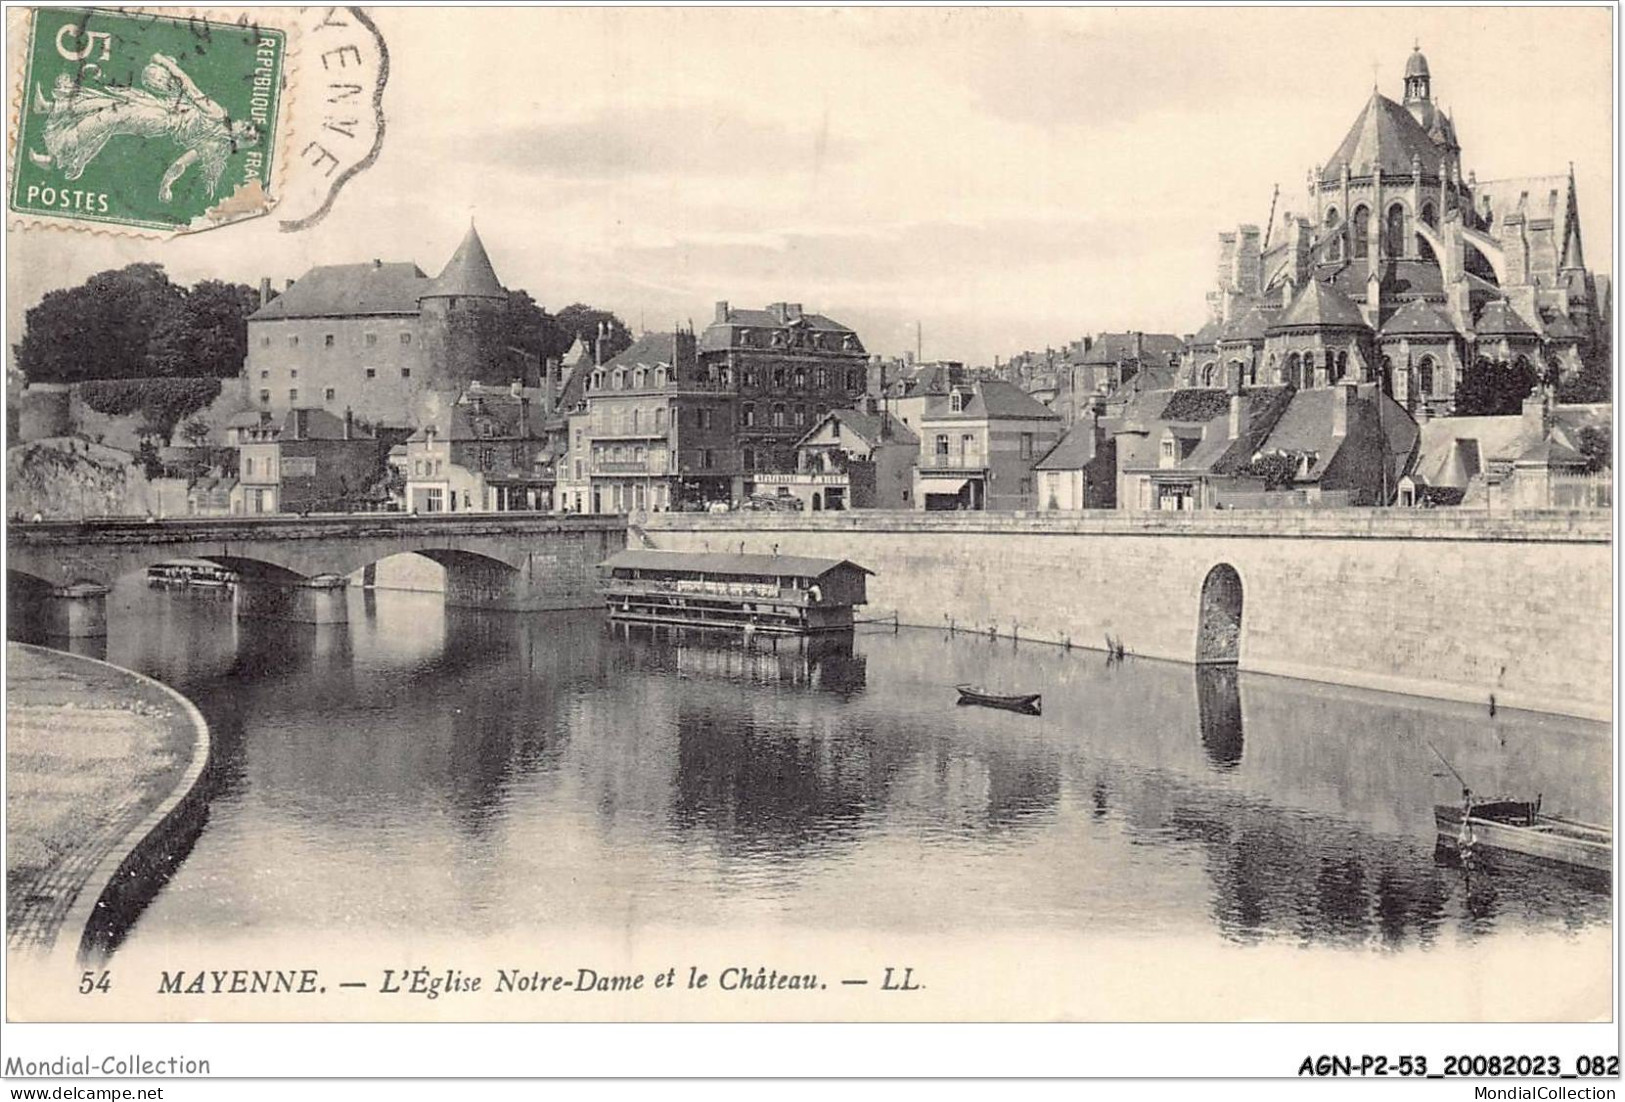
pixel 1440 603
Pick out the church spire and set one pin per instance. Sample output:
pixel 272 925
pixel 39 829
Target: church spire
pixel 1418 84
pixel 1573 255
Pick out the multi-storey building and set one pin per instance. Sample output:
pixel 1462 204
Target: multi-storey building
pixel 309 460
pixel 491 454
pixel 375 337
pixel 658 432
pixel 979 445
pixel 787 369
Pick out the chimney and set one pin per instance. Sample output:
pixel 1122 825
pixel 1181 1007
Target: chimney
pixel 1139 345
pixel 265 290
pixel 1238 415
pixel 1537 413
pixel 722 311
pixel 792 311
pixel 287 286
pixel 524 417
pixel 349 423
pixel 1340 410
pixel 376 263
pixel 599 344
pixel 550 396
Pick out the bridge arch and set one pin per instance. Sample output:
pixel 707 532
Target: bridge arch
pixel 1218 625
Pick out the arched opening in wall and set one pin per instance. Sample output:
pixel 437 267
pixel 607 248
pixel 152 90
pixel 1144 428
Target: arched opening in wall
pixel 408 572
pixel 1294 370
pixel 1342 364
pixel 1218 628
pixel 1385 379
pixel 1207 373
pixel 1360 224
pixel 1429 218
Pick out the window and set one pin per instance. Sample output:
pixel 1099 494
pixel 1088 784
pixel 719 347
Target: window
pixel 1393 237
pixel 578 470
pixel 956 402
pixel 639 377
pixel 821 378
pixel 372 372
pixel 518 455
pixel 705 458
pixel 778 417
pixel 660 376
pixel 1026 445
pixel 293 340
pixel 265 396
pixel 942 447
pixel 660 418
pixel 801 378
pixel 1424 377
pixel 579 435
pixel 327 341
pixel 265 374
pixel 327 395
pixel 1361 228
pixel 835 429
pixel 778 376
pixel 1428 217
pixel 967 447
pixel 372 339
pixel 801 416
pixel 294 374
pixel 1168 449
pixel 705 420
pixel 747 415
pixel 265 342
pixel 406 338
pixel 406 372
pixel 293 395
pixel 487 459
pixel 747 458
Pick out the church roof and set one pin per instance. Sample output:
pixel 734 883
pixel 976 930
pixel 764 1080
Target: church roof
pixel 349 290
pixel 1417 64
pixel 1111 348
pixel 1208 334
pixel 468 272
pixel 1559 327
pixel 1320 306
pixel 1499 319
pixel 1384 136
pixel 1418 318
pixel 1250 326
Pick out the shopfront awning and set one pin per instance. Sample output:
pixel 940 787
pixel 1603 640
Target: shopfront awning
pixel 953 486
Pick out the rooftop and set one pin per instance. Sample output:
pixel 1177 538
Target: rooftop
pixel 761 566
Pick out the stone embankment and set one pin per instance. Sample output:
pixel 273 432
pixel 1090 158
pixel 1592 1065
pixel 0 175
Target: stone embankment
pixel 104 797
pixel 1455 604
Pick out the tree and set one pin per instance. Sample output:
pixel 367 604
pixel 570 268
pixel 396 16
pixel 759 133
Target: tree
pixel 206 334
pixel 98 330
pixel 1597 445
pixel 580 319
pixel 1491 389
pixel 162 403
pixel 1592 383
pixel 196 432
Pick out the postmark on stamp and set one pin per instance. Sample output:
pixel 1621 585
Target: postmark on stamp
pixel 147 120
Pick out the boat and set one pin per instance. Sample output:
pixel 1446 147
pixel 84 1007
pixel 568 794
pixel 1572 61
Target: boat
pixel 1519 826
pixel 753 594
pixel 1028 703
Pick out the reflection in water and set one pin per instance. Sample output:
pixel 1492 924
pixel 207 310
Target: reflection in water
pixel 1218 702
pixel 444 771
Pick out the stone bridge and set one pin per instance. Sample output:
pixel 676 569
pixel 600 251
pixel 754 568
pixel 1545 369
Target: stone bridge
pixel 296 568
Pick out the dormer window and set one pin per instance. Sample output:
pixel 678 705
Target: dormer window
pixel 639 378
pixel 956 402
pixel 660 376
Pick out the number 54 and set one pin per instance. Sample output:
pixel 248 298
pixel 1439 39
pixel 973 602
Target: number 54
pixel 93 981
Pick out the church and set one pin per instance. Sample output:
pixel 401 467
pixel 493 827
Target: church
pixel 1404 271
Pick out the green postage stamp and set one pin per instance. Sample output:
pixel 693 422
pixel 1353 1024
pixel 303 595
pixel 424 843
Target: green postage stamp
pixel 147 120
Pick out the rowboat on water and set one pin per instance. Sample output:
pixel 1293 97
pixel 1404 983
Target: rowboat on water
pixel 1028 703
pixel 1519 826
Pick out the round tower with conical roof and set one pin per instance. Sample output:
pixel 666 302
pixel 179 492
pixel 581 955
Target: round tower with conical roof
pixel 461 316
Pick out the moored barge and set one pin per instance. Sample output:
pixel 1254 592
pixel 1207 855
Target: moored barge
pixel 775 594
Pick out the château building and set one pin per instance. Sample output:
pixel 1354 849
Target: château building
pixel 1404 270
pixel 374 337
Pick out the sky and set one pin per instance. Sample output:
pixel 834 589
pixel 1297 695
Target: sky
pixel 1005 179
